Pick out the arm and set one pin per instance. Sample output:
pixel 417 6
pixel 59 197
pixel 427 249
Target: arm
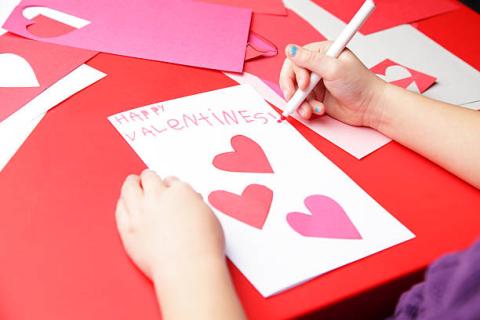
pixel 446 134
pixel 175 239
pixel 200 291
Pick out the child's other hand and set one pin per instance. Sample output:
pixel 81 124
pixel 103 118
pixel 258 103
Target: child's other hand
pixel 348 91
pixel 166 227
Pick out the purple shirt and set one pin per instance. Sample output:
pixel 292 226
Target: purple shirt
pixel 451 290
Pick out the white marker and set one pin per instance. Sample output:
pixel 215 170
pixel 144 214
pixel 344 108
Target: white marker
pixel 334 51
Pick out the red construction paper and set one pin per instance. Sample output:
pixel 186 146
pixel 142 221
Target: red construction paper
pixel 251 207
pixel 247 156
pixel 388 13
pixel 184 32
pixel 326 219
pixel 49 62
pixel 281 31
pixel 403 76
pixel 258 6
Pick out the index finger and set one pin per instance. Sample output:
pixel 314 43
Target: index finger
pixel 287 79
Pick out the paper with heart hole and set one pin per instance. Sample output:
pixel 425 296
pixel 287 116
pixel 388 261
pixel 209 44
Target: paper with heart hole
pixel 185 32
pixel 29 67
pixel 201 139
pixel 403 76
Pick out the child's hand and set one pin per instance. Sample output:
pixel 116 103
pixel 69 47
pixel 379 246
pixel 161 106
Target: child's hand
pixel 165 225
pixel 348 91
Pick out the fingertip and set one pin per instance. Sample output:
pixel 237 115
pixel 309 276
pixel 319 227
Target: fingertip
pixel 305 110
pixel 318 108
pixel 291 50
pixel 289 94
pixel 286 87
pixel 168 181
pixel 151 181
pixel 131 181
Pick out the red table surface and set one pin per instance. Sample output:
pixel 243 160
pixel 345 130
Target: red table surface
pixel 61 257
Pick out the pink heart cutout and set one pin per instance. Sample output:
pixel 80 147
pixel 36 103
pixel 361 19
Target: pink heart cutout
pixel 327 219
pixel 247 156
pixel 251 207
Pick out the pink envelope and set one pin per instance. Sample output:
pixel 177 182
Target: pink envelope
pixel 388 13
pixel 184 32
pixel 258 6
pixel 43 62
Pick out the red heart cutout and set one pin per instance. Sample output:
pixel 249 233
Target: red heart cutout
pixel 247 156
pixel 251 207
pixel 327 220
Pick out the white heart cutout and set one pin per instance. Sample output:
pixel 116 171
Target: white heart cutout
pixel 394 73
pixel 16 72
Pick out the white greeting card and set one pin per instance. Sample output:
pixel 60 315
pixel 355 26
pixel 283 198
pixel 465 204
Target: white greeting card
pixel 288 213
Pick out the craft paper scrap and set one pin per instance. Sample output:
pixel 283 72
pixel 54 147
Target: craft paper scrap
pixel 403 76
pixel 283 226
pixel 16 128
pixel 258 6
pixel 184 32
pixel 358 141
pixel 259 46
pixel 281 31
pixel 457 83
pixel 388 13
pixel 6 7
pixel 28 67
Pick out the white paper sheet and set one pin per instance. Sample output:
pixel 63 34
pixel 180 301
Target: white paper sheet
pixel 15 129
pixel 188 137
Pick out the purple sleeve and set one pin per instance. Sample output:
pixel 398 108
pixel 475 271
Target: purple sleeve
pixel 451 290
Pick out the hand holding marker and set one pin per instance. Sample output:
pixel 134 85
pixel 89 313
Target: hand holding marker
pixel 334 51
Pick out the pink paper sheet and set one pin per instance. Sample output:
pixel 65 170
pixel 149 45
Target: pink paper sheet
pixel 388 13
pixel 184 32
pixel 258 6
pixel 48 63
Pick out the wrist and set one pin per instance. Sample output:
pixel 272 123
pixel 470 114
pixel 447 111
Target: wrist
pixel 177 273
pixel 374 114
pixel 200 290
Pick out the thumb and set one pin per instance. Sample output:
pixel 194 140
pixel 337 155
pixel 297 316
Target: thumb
pixel 315 61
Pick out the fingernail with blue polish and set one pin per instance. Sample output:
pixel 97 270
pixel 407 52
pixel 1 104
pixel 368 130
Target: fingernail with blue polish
pixel 317 110
pixel 293 51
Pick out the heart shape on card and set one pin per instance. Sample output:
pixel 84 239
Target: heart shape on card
pixel 247 156
pixel 327 219
pixel 16 72
pixel 251 207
